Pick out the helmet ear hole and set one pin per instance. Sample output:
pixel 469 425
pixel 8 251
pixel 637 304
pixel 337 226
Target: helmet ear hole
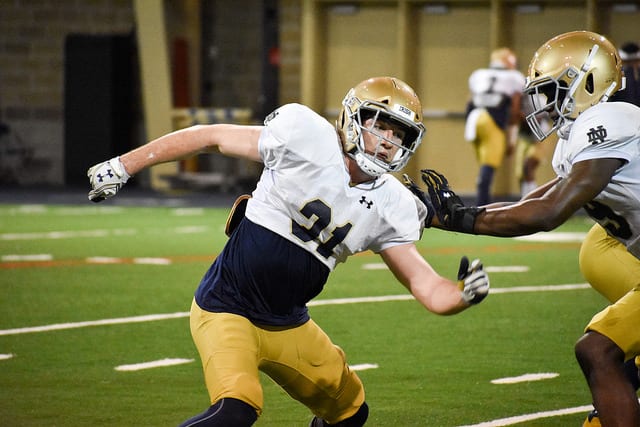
pixel 589 85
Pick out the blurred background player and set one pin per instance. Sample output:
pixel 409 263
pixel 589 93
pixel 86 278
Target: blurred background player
pixel 325 193
pixel 630 55
pixel 597 162
pixel 493 116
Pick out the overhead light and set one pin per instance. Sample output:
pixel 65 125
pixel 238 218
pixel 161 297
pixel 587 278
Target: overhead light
pixel 436 9
pixel 345 9
pixel 625 8
pixel 527 9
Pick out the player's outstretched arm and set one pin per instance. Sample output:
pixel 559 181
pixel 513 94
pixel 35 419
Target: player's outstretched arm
pixel 108 177
pixel 435 292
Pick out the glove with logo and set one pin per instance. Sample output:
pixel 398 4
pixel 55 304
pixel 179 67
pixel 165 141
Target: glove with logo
pixel 450 209
pixel 106 179
pixel 473 281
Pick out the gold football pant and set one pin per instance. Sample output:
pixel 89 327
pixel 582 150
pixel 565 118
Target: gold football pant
pixel 302 360
pixel 615 273
pixel 491 141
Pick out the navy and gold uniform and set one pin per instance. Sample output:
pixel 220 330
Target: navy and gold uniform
pixel 493 115
pixel 325 193
pixel 303 218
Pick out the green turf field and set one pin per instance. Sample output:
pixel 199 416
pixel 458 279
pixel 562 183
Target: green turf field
pixel 64 269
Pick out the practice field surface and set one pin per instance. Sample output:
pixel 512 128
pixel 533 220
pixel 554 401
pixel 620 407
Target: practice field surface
pixel 94 327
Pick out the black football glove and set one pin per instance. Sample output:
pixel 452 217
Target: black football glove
pixel 451 211
pixel 413 187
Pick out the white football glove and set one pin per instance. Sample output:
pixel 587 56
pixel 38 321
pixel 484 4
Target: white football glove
pixel 473 281
pixel 106 179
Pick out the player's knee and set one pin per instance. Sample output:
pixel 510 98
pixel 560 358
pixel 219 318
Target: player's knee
pixel 594 349
pixel 225 412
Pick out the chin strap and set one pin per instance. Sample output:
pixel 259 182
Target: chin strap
pixel 610 89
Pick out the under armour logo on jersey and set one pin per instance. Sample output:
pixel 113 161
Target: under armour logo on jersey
pixel 597 135
pixel 271 116
pixel 364 201
pixel 101 177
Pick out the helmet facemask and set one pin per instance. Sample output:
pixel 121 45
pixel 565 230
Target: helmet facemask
pixel 356 114
pixel 549 103
pixel 569 74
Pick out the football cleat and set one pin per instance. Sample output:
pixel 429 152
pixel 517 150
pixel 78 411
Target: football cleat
pixel 592 420
pixel 317 422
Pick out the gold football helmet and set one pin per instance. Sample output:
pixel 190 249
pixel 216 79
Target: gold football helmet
pixel 503 58
pixel 381 98
pixel 568 74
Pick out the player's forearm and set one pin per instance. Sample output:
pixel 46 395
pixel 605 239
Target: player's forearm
pixel 170 147
pixel 519 219
pixel 232 140
pixel 441 297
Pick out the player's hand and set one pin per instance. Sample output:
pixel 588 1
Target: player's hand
pixel 413 187
pixel 473 281
pixel 106 179
pixel 449 207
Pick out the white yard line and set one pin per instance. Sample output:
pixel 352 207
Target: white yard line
pixel 103 322
pixel 525 378
pixel 154 364
pixel 76 234
pixel 315 303
pixel 170 362
pixel 555 236
pixel 535 416
pixel 517 419
pixel 26 257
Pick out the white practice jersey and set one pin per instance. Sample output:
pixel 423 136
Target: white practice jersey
pixel 304 193
pixel 489 86
pixel 608 130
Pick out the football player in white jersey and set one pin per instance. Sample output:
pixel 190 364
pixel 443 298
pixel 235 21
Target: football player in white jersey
pixel 493 116
pixel 597 162
pixel 325 193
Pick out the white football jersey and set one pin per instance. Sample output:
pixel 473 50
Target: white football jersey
pixel 489 86
pixel 608 130
pixel 304 193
